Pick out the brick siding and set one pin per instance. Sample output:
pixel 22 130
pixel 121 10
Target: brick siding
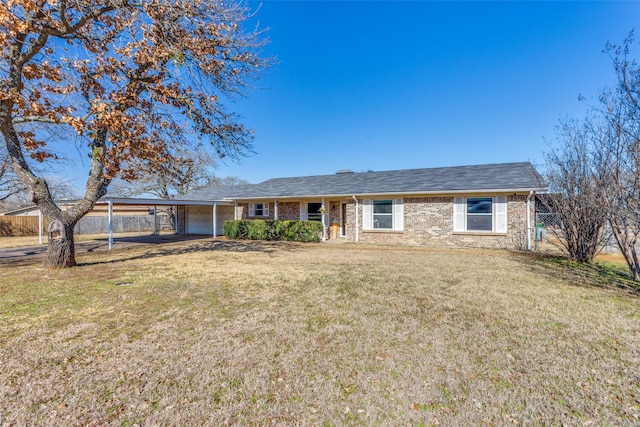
pixel 428 221
pixel 288 210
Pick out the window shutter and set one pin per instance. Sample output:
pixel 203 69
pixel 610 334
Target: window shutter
pixel 265 209
pixel 367 221
pixel 501 214
pixel 458 213
pixel 398 215
pixel 303 211
pixel 252 209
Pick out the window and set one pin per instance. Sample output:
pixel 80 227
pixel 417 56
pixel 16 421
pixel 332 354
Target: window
pixel 488 214
pixel 480 214
pixel 258 209
pixel 313 212
pixel 385 214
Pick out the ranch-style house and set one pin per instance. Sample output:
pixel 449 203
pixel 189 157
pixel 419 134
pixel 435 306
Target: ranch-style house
pixel 471 206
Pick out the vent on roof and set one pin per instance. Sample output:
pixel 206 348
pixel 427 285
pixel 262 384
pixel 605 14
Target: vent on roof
pixel 341 171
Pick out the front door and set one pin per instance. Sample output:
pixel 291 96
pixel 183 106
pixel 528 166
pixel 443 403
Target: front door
pixel 343 219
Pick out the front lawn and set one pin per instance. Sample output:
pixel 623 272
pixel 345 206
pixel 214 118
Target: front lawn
pixel 254 333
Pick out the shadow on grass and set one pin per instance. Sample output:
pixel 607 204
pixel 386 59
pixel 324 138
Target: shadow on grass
pixel 26 261
pixel 200 246
pixel 599 274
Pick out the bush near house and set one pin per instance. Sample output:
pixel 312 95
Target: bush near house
pixel 293 231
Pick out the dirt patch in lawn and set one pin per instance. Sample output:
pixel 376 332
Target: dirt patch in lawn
pixel 612 257
pixel 224 333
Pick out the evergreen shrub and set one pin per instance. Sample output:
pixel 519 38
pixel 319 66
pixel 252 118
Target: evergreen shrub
pixel 289 230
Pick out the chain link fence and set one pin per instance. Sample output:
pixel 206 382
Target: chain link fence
pixel 550 223
pixel 548 220
pixel 121 224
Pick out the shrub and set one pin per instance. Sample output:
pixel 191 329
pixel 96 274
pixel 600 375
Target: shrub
pixel 275 229
pixel 303 231
pixel 294 231
pixel 256 229
pixel 235 229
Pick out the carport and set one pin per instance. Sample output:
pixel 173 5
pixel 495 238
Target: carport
pixel 200 217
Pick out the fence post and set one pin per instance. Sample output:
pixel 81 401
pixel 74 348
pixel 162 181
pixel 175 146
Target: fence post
pixel 40 224
pixel 110 225
pixel 215 220
pixel 155 220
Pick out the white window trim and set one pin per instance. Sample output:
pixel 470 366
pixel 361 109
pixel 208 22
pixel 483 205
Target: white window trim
pixel 397 215
pixel 498 212
pixel 252 209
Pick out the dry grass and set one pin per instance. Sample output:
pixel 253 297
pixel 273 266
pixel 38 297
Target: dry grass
pixel 224 333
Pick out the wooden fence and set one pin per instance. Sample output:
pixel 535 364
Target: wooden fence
pixel 20 225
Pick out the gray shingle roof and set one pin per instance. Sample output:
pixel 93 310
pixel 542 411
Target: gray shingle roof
pixel 501 176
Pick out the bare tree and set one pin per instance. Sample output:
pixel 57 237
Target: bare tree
pixel 575 193
pixel 130 80
pixel 227 181
pixel 197 171
pixel 14 194
pixel 619 151
pixel 10 184
pixel 596 172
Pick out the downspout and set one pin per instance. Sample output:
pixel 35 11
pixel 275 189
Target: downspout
pixel 357 229
pixel 529 220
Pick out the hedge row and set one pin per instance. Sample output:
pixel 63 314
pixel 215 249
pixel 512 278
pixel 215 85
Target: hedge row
pixel 257 229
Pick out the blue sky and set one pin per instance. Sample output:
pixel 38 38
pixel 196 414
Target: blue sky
pixel 386 85
pixel 381 85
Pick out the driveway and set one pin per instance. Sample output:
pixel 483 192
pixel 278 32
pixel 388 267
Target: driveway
pixel 8 254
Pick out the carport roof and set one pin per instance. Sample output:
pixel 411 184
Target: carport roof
pixel 130 201
pixel 516 177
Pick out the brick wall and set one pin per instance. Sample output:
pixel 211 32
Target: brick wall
pixel 428 221
pixel 333 212
pixel 288 210
pixel 181 220
pixel 242 211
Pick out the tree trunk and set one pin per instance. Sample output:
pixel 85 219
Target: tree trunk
pixel 626 241
pixel 631 257
pixel 61 249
